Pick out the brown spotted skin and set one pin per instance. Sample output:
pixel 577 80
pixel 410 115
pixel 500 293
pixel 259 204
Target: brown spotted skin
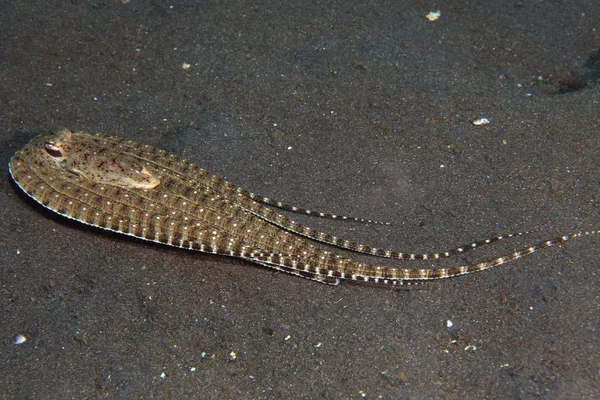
pixel 145 192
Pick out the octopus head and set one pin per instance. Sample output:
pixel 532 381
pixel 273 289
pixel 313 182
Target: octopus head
pixel 57 147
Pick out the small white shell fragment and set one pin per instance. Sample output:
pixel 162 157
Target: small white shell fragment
pixel 470 348
pixel 232 356
pixel 433 15
pixel 481 121
pixel 449 324
pixel 186 66
pixel 19 339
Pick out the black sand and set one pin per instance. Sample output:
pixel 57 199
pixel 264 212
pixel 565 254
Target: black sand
pixel 361 108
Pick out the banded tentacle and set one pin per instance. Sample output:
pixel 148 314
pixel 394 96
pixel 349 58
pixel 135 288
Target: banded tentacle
pixel 351 270
pixel 199 177
pixel 222 186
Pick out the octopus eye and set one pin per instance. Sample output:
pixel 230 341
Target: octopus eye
pixel 52 150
